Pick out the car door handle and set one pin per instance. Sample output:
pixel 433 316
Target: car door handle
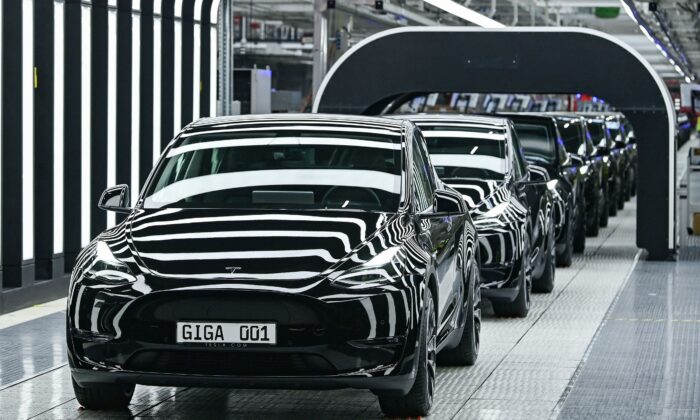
pixel 449 225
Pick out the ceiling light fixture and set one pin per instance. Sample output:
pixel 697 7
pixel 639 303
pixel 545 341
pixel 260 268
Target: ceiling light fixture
pixel 465 13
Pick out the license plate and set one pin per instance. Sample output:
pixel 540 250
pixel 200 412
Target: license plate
pixel 227 332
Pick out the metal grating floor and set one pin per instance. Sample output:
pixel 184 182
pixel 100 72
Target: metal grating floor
pixel 525 369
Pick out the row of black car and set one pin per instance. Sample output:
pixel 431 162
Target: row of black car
pixel 326 251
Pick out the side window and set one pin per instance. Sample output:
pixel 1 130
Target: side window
pixel 519 165
pixel 422 174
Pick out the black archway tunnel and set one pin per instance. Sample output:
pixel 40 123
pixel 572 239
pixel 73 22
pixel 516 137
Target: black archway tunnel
pixel 524 60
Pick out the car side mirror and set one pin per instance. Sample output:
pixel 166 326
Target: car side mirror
pixel 575 160
pixel 619 144
pixel 449 203
pixel 115 199
pixel 632 140
pixel 603 151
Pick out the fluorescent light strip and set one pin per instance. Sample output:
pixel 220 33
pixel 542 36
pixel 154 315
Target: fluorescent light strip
pixel 177 69
pixel 111 106
pixel 157 35
pixel 85 106
pixel 196 72
pixel 465 13
pixel 135 102
pixel 58 96
pixel 27 81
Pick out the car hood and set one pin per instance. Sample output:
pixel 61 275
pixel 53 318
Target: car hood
pixel 480 195
pixel 231 244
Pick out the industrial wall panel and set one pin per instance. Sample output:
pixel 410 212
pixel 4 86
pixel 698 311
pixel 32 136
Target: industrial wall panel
pixel 44 137
pixel 90 93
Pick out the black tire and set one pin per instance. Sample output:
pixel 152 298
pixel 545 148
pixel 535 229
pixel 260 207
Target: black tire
pixel 521 305
pixel 545 283
pixel 614 199
pixel 605 211
pixel 419 399
pixel 104 396
pixel 580 229
pixel 565 258
pixel 621 197
pixel 467 351
pixel 594 228
pixel 633 185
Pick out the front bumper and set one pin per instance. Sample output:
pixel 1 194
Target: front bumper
pixel 118 334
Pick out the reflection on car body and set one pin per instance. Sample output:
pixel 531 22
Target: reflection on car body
pixel 510 203
pixel 298 251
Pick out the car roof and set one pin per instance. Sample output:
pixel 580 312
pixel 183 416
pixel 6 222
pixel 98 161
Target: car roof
pixel 213 124
pixel 528 115
pixel 495 121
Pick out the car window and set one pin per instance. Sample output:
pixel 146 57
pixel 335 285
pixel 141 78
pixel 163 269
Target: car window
pixel 537 141
pixel 599 134
pixel 572 135
pixel 422 173
pixel 466 150
pixel 270 169
pixel 519 164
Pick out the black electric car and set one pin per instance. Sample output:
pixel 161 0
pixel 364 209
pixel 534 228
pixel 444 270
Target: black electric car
pixel 579 144
pixel 614 163
pixel 305 251
pixel 510 203
pixel 625 140
pixel 543 146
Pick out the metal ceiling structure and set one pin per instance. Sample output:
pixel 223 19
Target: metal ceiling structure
pixel 667 38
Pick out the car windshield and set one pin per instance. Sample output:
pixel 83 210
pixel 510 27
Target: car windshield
pixel 466 151
pixel 537 141
pixel 271 169
pixel 597 131
pixel 614 128
pixel 570 131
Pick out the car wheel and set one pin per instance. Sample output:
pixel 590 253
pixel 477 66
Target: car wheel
pixel 621 196
pixel 633 185
pixel 545 284
pixel 420 398
pixel 565 257
pixel 521 305
pixel 594 228
pixel 103 396
pixel 604 210
pixel 580 230
pixel 467 351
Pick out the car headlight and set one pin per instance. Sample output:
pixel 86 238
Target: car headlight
pixel 106 268
pixel 380 270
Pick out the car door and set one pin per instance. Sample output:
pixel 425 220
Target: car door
pixel 436 232
pixel 532 192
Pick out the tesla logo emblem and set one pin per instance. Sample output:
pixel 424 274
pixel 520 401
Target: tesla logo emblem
pixel 233 269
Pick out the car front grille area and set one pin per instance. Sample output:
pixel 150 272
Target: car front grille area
pixel 234 363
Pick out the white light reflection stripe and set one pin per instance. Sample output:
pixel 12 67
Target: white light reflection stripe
pixel 187 256
pixel 245 179
pixel 470 161
pixel 258 217
pixel 336 128
pixel 250 234
pixel 463 135
pixel 333 141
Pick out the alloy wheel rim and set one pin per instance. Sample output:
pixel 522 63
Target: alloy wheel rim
pixel 477 313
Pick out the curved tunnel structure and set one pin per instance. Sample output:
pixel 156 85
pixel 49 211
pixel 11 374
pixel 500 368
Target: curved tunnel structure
pixel 524 60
